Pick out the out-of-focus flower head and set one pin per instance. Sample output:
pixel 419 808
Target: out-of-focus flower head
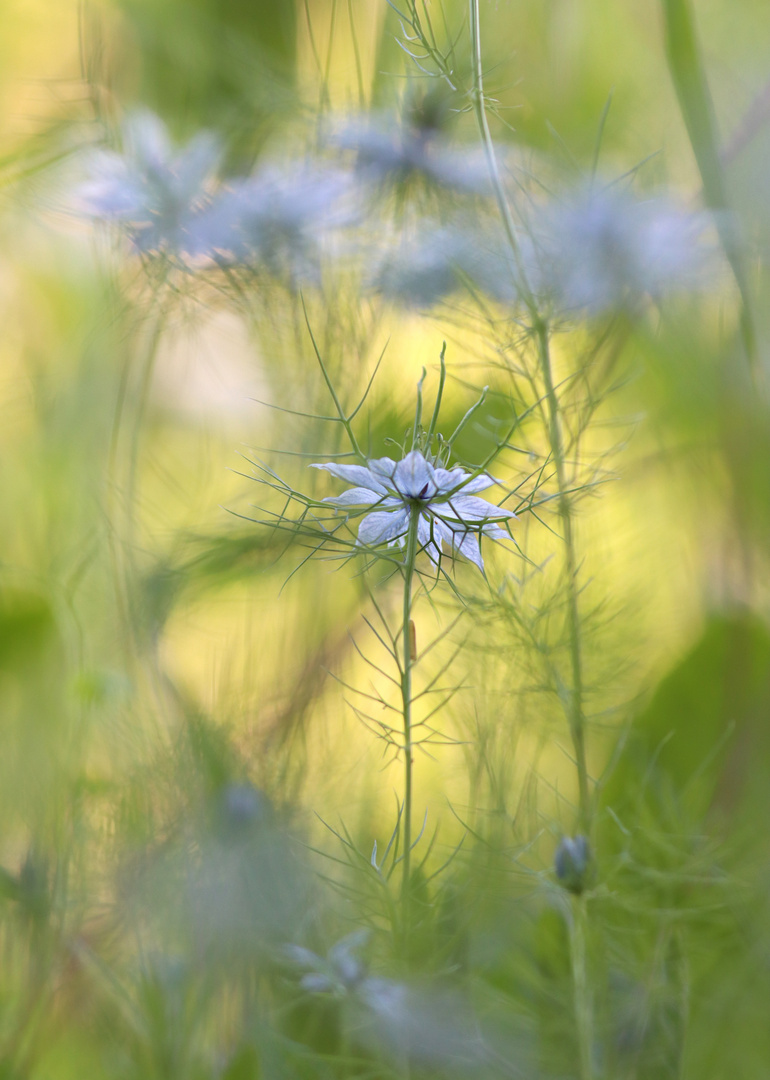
pixel 152 191
pixel 389 150
pixel 451 516
pixel 428 267
pixel 391 1017
pixel 605 250
pixel 441 260
pixel 341 972
pixel 276 219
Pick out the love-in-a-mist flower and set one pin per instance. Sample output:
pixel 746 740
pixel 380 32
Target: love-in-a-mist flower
pixel 278 219
pixel 605 250
pixel 389 151
pixel 152 190
pixel 451 518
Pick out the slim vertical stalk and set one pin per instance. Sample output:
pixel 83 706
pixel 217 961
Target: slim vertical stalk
pixel 575 713
pixel 575 705
pixel 130 409
pixel 575 701
pixel 489 152
pixel 406 704
pixel 581 991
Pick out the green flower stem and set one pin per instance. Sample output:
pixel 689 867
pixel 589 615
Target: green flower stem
pixel 406 704
pixel 575 702
pixel 581 991
pixel 489 152
pixel 130 411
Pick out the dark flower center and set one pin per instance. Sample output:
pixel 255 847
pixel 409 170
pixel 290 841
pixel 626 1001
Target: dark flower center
pixel 422 494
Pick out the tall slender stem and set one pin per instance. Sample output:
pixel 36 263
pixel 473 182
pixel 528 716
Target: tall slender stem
pixel 575 707
pixel 406 704
pixel 581 990
pixel 492 166
pixel 130 409
pixel 575 712
pixel 575 704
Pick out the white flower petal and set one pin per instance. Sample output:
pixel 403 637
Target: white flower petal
pixel 316 983
pixel 449 479
pixel 495 532
pixel 355 474
pixel 479 483
pixel 413 477
pixel 383 468
pixel 431 534
pixel 467 544
pixel 383 526
pixel 470 508
pixel 356 496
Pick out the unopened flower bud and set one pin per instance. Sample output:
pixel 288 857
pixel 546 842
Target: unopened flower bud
pixel 573 863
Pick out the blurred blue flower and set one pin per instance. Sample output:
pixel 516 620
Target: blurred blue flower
pixel 153 192
pixel 391 150
pixel 450 516
pixel 276 219
pixel 606 250
pixel 422 1025
pixel 340 973
pixel 441 260
pixel 242 806
pixel 429 267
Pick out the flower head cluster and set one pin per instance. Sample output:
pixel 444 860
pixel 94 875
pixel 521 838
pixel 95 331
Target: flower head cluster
pixel 174 202
pixel 596 250
pixel 449 514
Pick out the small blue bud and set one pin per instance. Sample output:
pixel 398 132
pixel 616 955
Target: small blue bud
pixel 573 863
pixel 244 805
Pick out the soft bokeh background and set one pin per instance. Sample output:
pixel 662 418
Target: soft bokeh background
pixel 127 708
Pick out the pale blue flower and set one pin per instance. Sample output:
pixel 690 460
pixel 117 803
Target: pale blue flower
pixel 276 219
pixel 340 972
pixel 452 518
pixel 428 267
pixel 606 250
pixel 391 150
pixel 408 1022
pixel 154 192
pixel 438 261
